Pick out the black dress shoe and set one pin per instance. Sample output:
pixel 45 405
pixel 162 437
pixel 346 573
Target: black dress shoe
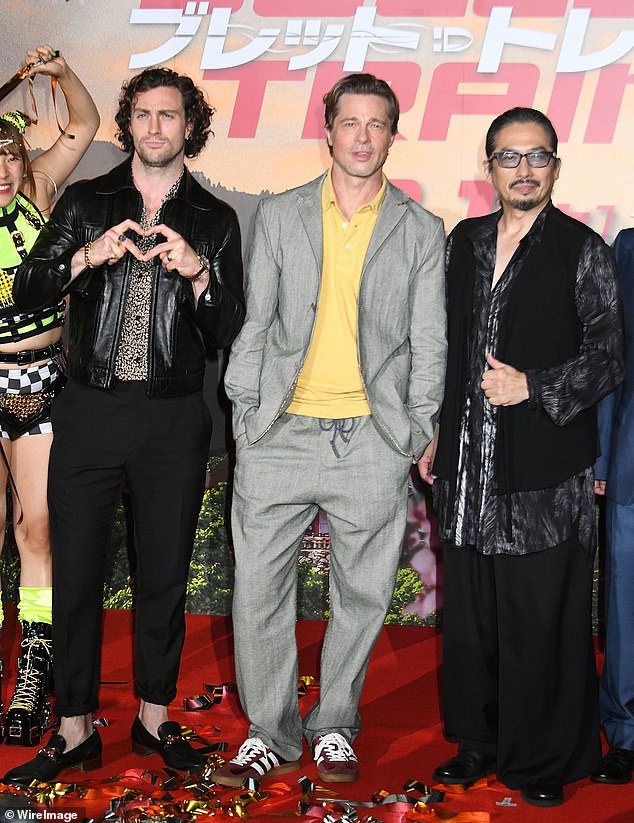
pixel 173 748
pixel 466 767
pixel 53 759
pixel 616 767
pixel 543 793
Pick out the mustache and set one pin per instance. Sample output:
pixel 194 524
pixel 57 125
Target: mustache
pixel 530 180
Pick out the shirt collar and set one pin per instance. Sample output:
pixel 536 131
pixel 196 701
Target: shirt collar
pixel 328 198
pixel 487 227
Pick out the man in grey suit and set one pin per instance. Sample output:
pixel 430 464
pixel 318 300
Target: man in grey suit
pixel 336 381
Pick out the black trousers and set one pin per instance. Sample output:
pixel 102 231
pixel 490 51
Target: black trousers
pixel 519 677
pixel 158 447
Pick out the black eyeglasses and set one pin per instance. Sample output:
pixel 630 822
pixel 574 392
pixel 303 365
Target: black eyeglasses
pixel 537 159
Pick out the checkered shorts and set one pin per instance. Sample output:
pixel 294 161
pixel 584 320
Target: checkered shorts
pixel 29 381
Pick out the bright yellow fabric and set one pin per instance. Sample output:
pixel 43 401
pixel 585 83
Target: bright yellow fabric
pixel 36 604
pixel 329 384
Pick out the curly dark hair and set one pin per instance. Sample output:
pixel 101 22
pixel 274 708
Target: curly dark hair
pixel 198 112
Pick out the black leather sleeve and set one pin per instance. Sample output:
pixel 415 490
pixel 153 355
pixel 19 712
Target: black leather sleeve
pixel 220 310
pixel 45 274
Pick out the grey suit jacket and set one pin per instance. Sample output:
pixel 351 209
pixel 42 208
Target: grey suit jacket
pixel 401 316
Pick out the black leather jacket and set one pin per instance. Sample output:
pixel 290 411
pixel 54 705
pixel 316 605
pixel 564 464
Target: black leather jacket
pixel 179 330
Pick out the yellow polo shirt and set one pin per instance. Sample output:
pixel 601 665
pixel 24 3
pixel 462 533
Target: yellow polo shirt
pixel 329 384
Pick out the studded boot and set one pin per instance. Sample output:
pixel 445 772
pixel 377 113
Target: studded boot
pixel 29 711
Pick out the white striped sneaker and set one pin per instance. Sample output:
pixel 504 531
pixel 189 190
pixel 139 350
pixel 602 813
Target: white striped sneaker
pixel 254 760
pixel 335 759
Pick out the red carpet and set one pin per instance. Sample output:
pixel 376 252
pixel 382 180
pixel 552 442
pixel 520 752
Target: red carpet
pixel 401 736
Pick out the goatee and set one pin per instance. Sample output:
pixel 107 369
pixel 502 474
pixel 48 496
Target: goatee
pixel 525 205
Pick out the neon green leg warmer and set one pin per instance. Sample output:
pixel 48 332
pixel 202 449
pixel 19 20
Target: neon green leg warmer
pixel 36 604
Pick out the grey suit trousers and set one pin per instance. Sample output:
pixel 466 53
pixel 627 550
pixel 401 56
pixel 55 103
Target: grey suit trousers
pixel 280 481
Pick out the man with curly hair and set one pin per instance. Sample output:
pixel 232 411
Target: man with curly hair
pixel 152 265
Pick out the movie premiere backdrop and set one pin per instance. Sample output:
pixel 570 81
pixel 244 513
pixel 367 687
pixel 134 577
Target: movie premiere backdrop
pixel 265 64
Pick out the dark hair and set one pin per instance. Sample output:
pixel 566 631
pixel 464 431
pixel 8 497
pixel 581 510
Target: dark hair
pixel 360 84
pixel 17 145
pixel 519 115
pixel 198 112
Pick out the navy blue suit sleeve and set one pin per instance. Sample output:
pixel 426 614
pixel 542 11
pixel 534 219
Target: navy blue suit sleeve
pixel 611 406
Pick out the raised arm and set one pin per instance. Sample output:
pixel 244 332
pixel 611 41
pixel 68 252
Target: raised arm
pixel 216 282
pixel 53 166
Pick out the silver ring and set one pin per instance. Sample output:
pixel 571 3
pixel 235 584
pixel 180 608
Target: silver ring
pixel 121 239
pixel 168 257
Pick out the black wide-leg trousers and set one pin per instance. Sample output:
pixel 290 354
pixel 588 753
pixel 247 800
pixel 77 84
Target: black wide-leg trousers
pixel 158 447
pixel 519 677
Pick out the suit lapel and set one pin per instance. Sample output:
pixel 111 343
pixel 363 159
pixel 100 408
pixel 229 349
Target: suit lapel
pixel 309 207
pixel 391 212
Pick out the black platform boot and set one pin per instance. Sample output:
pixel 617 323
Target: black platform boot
pixel 29 711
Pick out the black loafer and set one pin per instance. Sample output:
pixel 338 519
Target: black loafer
pixel 466 767
pixel 616 767
pixel 53 759
pixel 173 748
pixel 543 793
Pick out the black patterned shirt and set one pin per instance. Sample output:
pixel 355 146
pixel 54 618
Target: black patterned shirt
pixel 132 353
pixel 522 522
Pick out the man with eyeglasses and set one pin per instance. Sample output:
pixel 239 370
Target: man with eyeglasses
pixel 535 340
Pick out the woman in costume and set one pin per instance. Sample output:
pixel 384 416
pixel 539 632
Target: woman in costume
pixel 30 356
